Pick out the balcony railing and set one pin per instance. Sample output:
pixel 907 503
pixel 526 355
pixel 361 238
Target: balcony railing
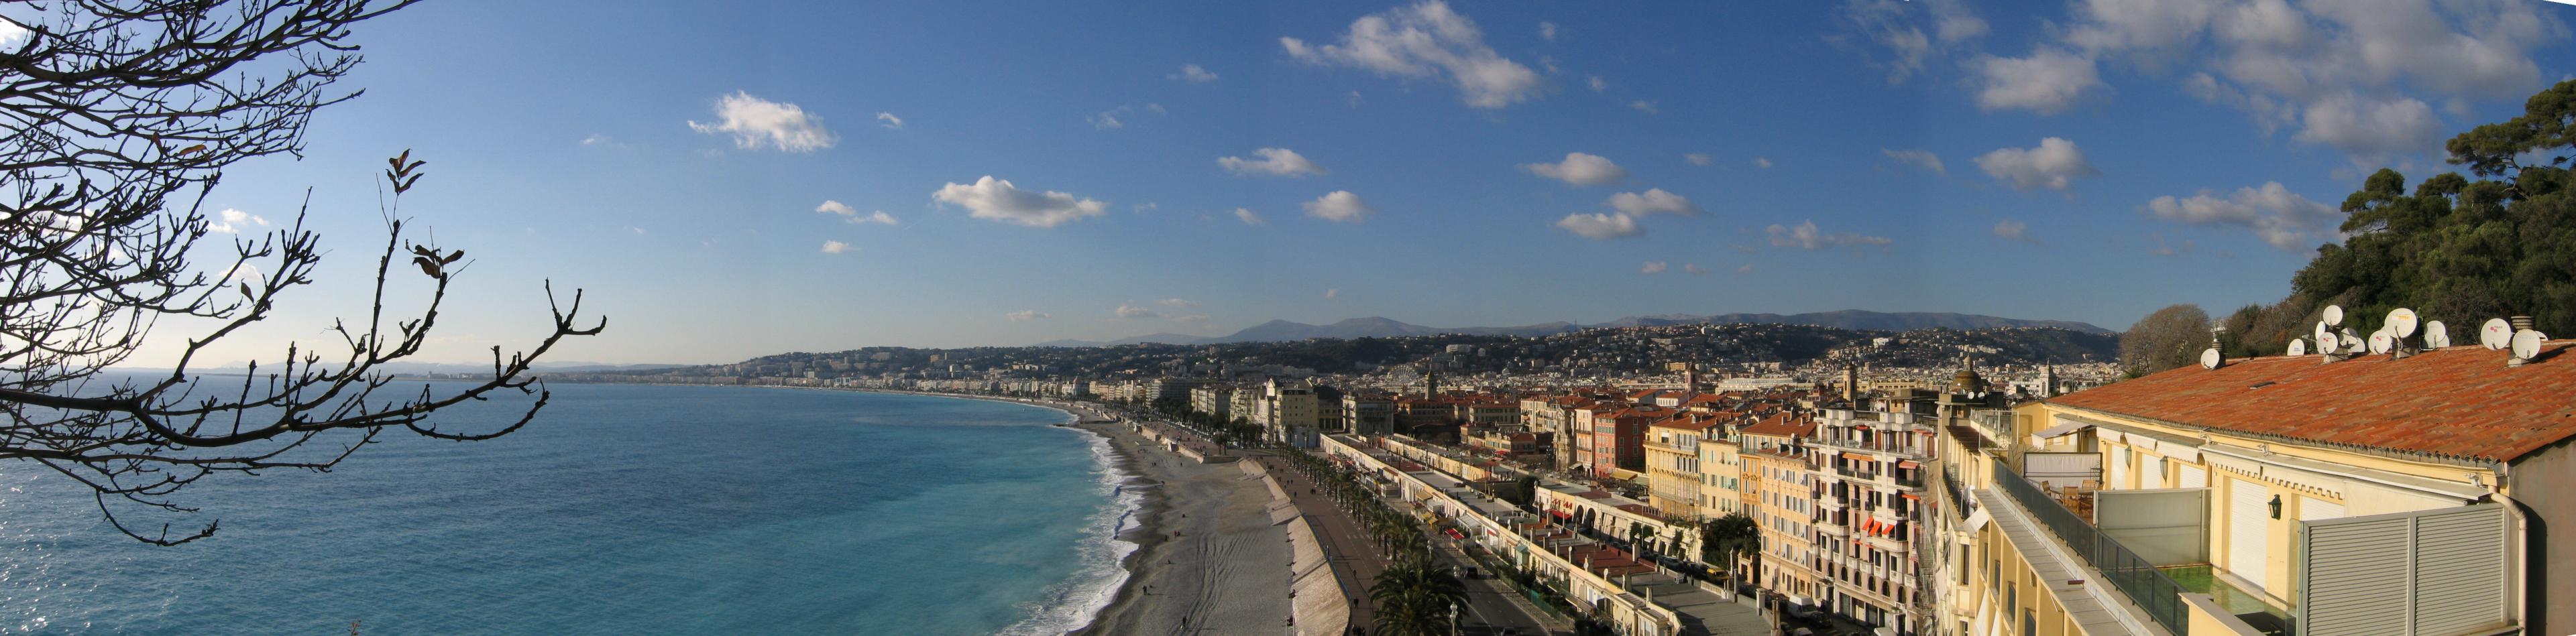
pixel 2136 577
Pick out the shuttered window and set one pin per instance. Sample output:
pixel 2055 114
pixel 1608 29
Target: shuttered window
pixel 2440 572
pixel 2249 512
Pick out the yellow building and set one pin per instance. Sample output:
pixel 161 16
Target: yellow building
pixel 2371 495
pixel 1673 464
pixel 1785 505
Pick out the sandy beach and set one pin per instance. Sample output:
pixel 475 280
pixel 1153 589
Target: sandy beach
pixel 1227 570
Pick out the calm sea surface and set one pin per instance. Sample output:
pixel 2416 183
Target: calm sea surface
pixel 623 510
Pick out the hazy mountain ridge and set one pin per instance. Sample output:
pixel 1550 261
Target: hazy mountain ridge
pixel 1381 327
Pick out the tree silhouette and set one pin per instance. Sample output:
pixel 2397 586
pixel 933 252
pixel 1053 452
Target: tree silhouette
pixel 123 116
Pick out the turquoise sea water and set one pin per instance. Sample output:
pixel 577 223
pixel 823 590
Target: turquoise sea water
pixel 624 510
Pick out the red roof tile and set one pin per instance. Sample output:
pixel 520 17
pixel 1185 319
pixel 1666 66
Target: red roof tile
pixel 2457 401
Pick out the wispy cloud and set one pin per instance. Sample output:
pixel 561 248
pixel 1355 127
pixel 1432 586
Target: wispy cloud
pixel 1600 226
pixel 1426 40
pixel 1026 315
pixel 2280 217
pixel 890 121
pixel 2054 164
pixel 852 215
pixel 1580 169
pixel 1132 311
pixel 1248 216
pixel 835 247
pixel 1652 267
pixel 1652 201
pixel 1330 293
pixel 1192 73
pixel 1339 206
pixel 997 200
pixel 2012 230
pixel 754 123
pixel 1805 236
pixel 1697 158
pixel 1918 158
pixel 1276 162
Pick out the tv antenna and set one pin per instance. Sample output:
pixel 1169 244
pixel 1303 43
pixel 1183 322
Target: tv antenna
pixel 2436 336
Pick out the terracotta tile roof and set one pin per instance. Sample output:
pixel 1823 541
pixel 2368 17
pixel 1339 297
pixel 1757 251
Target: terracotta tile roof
pixel 2460 401
pixel 1782 425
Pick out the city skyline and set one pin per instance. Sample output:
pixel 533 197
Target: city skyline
pixel 768 179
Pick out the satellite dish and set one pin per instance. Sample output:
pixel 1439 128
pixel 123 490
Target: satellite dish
pixel 2436 336
pixel 2382 342
pixel 2325 338
pixel 2298 347
pixel 2526 345
pixel 2353 344
pixel 2209 357
pixel 2334 315
pixel 2496 334
pixel 2401 322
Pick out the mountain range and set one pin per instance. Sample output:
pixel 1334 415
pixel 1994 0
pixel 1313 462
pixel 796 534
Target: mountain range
pixel 1378 327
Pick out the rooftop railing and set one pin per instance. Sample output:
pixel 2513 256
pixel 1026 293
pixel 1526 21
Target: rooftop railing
pixel 2135 577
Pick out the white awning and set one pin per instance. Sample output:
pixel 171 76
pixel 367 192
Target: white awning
pixel 2062 430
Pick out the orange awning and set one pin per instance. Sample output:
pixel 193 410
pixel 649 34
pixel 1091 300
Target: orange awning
pixel 1859 457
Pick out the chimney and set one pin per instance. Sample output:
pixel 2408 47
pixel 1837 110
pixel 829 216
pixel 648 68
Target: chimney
pixel 2520 324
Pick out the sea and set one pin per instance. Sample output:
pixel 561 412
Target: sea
pixel 624 509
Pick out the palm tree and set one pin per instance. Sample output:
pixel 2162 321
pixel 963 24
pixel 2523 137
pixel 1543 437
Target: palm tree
pixel 1414 597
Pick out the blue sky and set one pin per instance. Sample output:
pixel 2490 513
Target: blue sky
pixel 671 158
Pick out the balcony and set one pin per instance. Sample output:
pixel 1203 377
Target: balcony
pixel 2135 577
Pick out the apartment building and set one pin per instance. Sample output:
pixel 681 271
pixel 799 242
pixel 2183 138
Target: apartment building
pixel 1784 494
pixel 1215 400
pixel 1673 463
pixel 1871 462
pixel 1368 413
pixel 2302 495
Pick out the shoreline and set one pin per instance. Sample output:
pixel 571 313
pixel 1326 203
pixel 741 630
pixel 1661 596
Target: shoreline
pixel 1202 534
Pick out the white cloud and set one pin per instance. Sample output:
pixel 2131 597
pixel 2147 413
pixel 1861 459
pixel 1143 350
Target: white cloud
pixel 1248 216
pixel 1746 269
pixel 1652 267
pixel 1580 169
pixel 1330 293
pixel 1696 158
pixel 2012 230
pixel 1339 206
pixel 1645 106
pixel 1600 226
pixel 1426 40
pixel 997 200
pixel 852 215
pixel 1693 269
pixel 2372 131
pixel 1132 311
pixel 835 247
pixel 1277 162
pixel 1180 303
pixel 1806 237
pixel 756 122
pixel 1598 84
pixel 2048 82
pixel 1918 158
pixel 1026 315
pixel 1546 31
pixel 1192 73
pixel 1892 25
pixel 636 230
pixel 1762 162
pixel 234 221
pixel 1652 201
pixel 2275 214
pixel 593 140
pixel 2053 164
pixel 1108 119
pixel 11 33
pixel 890 121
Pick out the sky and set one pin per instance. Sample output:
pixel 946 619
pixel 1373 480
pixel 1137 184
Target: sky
pixel 767 177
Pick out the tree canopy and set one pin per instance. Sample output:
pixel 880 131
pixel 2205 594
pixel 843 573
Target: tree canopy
pixel 122 116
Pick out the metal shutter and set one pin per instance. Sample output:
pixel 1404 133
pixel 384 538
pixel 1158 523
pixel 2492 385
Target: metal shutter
pixel 2440 572
pixel 2194 477
pixel 2249 511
